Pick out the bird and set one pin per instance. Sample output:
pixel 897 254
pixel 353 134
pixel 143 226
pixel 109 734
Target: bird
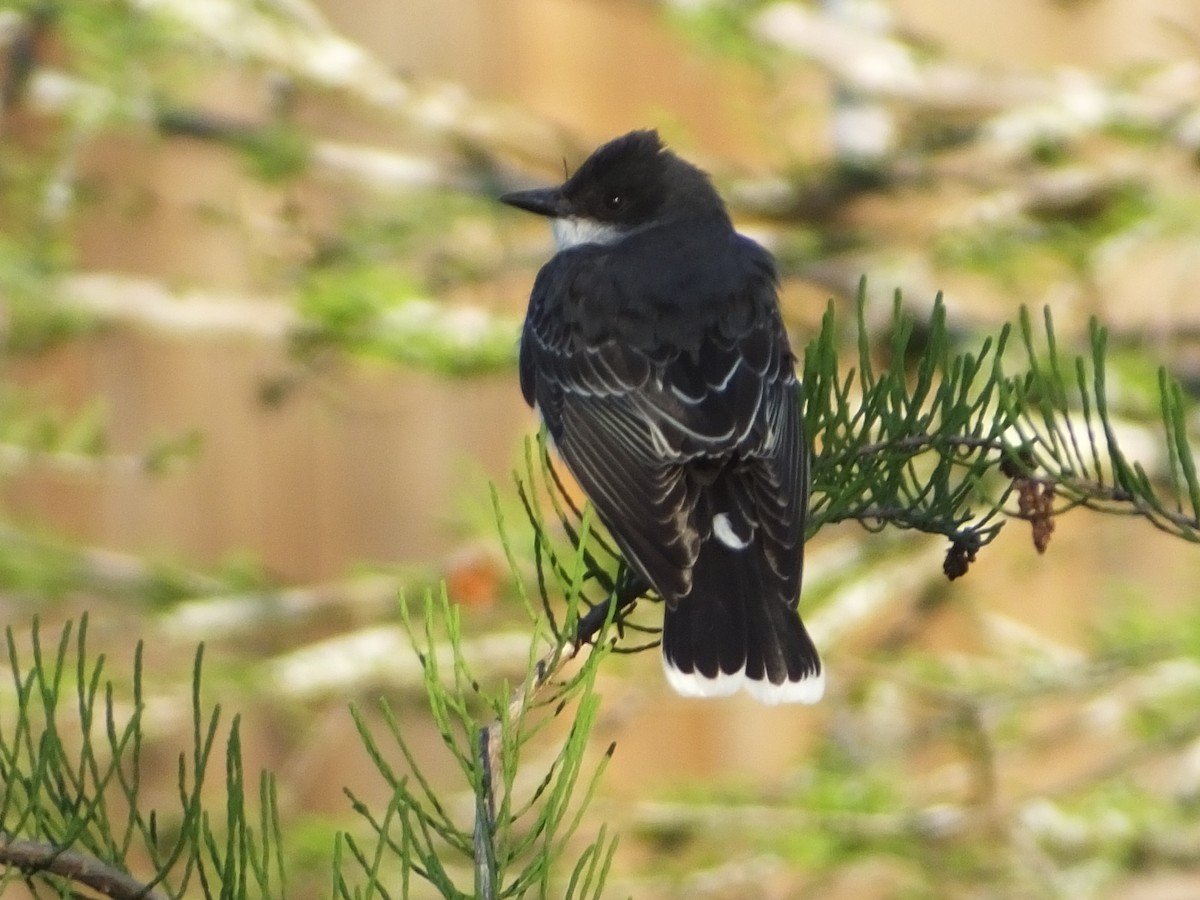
pixel 654 352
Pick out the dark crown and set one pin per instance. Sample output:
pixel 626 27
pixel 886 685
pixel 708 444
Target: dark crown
pixel 634 179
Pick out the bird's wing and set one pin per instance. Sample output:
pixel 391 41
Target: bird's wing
pixel 646 429
pixel 778 481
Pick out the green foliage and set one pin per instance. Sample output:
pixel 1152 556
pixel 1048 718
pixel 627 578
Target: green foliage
pixel 908 451
pixel 73 783
pixel 1134 633
pixel 721 29
pixel 119 45
pixel 942 446
pixel 915 435
pixel 28 269
pixel 39 430
pixel 519 833
pixel 376 311
pixel 275 153
pixel 443 238
pixel 349 301
pixel 1036 247
pixel 68 791
pixel 35 569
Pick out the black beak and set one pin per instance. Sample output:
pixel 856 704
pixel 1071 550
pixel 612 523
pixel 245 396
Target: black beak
pixel 543 201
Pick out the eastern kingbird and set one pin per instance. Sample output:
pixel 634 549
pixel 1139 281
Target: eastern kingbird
pixel 654 351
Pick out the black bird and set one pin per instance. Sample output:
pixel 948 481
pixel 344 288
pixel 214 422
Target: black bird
pixel 654 351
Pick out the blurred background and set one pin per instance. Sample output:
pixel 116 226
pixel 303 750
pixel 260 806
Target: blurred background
pixel 259 313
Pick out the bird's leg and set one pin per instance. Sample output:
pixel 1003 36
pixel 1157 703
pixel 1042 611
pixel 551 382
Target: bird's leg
pixel 626 588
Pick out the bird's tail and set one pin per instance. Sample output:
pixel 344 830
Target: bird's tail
pixel 734 631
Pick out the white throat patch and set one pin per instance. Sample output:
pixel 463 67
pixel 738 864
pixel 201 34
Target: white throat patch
pixel 574 231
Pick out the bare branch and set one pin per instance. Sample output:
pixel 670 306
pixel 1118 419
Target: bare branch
pixel 36 857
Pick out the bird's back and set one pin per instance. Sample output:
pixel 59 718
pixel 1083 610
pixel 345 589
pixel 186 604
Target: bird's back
pixel 659 363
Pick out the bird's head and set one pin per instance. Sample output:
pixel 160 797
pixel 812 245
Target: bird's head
pixel 630 183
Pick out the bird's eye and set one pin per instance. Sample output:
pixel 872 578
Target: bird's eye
pixel 614 201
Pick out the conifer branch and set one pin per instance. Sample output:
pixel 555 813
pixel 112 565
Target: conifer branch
pixel 954 444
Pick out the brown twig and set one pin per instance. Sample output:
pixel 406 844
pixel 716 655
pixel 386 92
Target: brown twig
pixel 491 735
pixel 35 857
pixel 490 741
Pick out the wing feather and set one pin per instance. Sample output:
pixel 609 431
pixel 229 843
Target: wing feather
pixel 646 422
